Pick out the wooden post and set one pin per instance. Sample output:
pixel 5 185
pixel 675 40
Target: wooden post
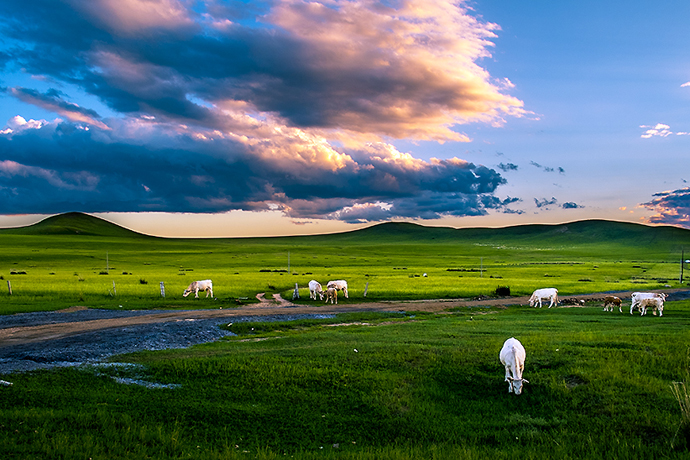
pixel 162 289
pixel 366 288
pixel 682 261
pixel 9 286
pixel 114 290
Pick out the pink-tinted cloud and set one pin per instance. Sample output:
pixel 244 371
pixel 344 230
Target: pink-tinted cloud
pixel 134 17
pixel 408 71
pixel 670 207
pixel 53 101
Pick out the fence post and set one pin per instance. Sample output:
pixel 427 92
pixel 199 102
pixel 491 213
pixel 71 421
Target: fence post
pixel 162 289
pixel 295 295
pixel 366 288
pixel 114 290
pixel 9 286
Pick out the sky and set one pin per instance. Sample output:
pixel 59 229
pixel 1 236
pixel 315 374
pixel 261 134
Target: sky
pixel 255 118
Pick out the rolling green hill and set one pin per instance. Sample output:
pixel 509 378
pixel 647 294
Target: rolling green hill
pixel 74 223
pixel 584 232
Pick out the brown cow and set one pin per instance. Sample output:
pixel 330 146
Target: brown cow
pixel 611 301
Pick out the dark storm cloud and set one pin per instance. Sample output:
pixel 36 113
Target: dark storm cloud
pixel 571 205
pixel 672 208
pixel 43 170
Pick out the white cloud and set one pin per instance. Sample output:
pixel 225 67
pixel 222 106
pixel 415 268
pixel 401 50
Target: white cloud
pixel 659 130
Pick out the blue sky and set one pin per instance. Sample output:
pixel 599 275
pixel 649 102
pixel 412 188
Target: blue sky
pixel 231 118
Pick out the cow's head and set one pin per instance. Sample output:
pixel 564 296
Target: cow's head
pixel 186 292
pixel 515 385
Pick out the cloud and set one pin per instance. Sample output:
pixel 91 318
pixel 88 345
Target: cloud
pixel 659 130
pixel 54 101
pixel 507 167
pixel 571 205
pixel 544 202
pixel 671 207
pixel 274 105
pixel 684 85
pixel 404 70
pixel 548 169
pixel 60 166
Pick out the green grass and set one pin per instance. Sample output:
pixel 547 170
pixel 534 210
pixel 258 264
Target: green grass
pixel 378 386
pixel 75 259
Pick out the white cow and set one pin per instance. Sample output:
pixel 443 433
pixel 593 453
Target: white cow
pixel 196 286
pixel 513 358
pixel 339 285
pixel 545 293
pixel 315 289
pixel 332 294
pixel 638 296
pixel 657 303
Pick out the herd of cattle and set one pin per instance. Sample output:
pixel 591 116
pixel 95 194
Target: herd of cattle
pixel 331 292
pixel 513 354
pixel 639 301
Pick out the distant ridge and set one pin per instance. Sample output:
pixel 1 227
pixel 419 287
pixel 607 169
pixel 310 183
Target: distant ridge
pixel 74 223
pixel 584 231
pixel 581 232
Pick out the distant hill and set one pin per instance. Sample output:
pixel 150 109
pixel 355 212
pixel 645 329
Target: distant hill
pixel 74 223
pixel 580 232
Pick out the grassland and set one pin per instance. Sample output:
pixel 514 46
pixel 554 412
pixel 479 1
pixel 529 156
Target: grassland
pixel 406 386
pixel 377 386
pixel 79 260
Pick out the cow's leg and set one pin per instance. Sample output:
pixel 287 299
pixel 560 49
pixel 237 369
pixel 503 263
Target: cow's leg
pixel 507 379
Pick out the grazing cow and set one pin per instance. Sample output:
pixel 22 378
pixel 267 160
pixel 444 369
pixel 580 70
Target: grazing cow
pixel 332 294
pixel 315 289
pixel 340 285
pixel 654 302
pixel 613 301
pixel 638 296
pixel 513 358
pixel 196 286
pixel 545 293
